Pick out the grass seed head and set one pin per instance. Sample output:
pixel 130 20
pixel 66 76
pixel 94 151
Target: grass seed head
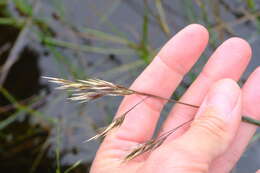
pixel 145 147
pixel 153 143
pixel 90 89
pixel 115 123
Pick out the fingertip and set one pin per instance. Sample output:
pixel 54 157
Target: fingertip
pixel 252 84
pixel 251 94
pixel 254 78
pixel 234 55
pixel 222 99
pixel 226 96
pixel 194 34
pixel 239 44
pixel 185 47
pixel 227 84
pixel 198 28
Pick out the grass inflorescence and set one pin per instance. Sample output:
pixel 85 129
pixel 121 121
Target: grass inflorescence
pixel 153 143
pixel 91 89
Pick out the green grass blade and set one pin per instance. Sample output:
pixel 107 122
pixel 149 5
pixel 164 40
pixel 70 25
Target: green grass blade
pixel 251 4
pixel 24 6
pixel 255 138
pixel 85 48
pixel 95 34
pixel 12 21
pixel 3 2
pixel 162 18
pixel 10 119
pixel 73 166
pixel 143 50
pixel 188 8
pixel 28 110
pixel 110 10
pixel 57 149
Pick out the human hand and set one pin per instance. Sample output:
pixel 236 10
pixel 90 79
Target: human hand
pixel 216 139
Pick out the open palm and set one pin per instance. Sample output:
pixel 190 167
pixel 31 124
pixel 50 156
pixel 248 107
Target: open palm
pixel 211 143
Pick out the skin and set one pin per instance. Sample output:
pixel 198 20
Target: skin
pixel 216 139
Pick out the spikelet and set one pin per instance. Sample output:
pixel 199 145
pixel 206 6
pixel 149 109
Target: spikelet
pixel 152 144
pixel 115 123
pixel 145 147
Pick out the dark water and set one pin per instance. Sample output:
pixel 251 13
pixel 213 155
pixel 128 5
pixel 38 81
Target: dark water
pixel 31 137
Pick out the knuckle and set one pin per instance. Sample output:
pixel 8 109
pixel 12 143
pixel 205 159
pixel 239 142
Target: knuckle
pixel 212 125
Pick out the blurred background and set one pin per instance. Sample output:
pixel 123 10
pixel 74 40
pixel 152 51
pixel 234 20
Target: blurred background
pixel 40 130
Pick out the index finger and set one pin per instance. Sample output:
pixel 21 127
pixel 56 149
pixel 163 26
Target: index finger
pixel 161 78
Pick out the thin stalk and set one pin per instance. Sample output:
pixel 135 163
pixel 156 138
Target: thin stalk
pixel 244 118
pixel 169 100
pixel 57 150
pixel 250 120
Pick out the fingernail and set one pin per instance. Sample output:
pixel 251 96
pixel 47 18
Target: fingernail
pixel 223 97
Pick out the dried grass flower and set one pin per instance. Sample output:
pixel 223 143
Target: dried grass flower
pixel 117 122
pixel 90 89
pixel 152 143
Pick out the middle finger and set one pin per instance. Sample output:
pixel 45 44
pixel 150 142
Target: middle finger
pixel 228 61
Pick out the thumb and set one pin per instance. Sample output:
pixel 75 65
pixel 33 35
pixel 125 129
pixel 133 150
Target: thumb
pixel 215 123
